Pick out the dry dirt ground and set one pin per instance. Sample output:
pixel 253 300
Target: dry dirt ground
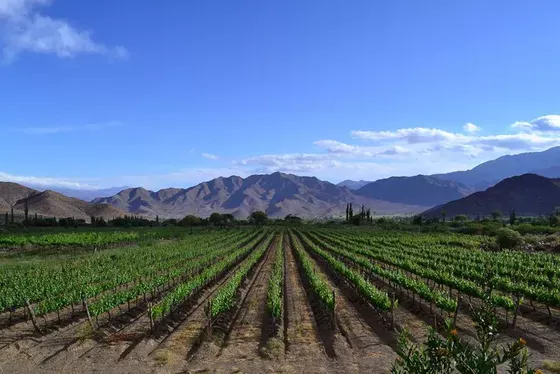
pixel 242 342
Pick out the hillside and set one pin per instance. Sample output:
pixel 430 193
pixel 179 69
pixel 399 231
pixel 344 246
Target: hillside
pixel 10 193
pixel 278 194
pixel 527 195
pixel 51 204
pixel 418 190
pixel 491 172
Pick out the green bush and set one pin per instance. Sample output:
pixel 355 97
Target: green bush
pixel 526 228
pixel 508 238
pixel 452 354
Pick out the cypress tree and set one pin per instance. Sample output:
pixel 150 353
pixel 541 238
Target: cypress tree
pixel 26 211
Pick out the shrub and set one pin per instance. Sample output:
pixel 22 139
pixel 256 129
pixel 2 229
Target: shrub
pixel 453 354
pixel 508 238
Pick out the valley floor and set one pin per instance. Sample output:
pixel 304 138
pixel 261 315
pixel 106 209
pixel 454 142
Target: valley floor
pixel 245 341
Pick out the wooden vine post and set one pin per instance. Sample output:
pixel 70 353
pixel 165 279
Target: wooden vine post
pixel 456 310
pixel 86 308
pixel 32 314
pixel 517 304
pixel 392 310
pixel 151 316
pixel 333 311
pixel 209 326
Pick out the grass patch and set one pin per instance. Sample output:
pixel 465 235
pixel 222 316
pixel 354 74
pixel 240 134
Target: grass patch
pixel 163 357
pixel 553 366
pixel 274 348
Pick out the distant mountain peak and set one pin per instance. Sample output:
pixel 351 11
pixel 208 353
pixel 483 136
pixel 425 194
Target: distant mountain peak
pixel 353 185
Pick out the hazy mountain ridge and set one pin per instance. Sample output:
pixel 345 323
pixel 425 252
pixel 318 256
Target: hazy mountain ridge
pixel 491 172
pixel 278 194
pixel 527 195
pixel 353 185
pixel 417 190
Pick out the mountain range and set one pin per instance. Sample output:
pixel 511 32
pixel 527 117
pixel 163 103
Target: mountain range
pixel 281 194
pixel 546 163
pixel 277 194
pixel 441 188
pixel 51 204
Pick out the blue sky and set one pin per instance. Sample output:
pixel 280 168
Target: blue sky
pixel 101 93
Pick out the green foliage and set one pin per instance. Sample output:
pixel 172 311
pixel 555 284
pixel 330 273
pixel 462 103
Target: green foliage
pixel 417 220
pixel 496 215
pixel 508 238
pixel 225 298
pixel 190 220
pixel 359 256
pixel 460 218
pixel 319 285
pixel 452 354
pixel 258 218
pixel 274 299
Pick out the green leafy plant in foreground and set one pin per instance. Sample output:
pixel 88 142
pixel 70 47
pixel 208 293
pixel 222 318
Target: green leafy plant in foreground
pixel 452 354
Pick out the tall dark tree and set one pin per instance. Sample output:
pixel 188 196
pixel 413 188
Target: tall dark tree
pixel 512 217
pixel 347 212
pixel 351 212
pixel 443 216
pixel 6 219
pixel 216 219
pixel 92 220
pixel 26 210
pixel 228 219
pixel 368 215
pixel 190 221
pixel 157 220
pixel 496 215
pixel 258 218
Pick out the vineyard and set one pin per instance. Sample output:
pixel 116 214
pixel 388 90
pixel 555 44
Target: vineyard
pixel 330 300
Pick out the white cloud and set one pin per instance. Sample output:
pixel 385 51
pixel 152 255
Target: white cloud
pixel 62 129
pixel 471 128
pixel 543 136
pixel 411 135
pixel 545 124
pixel 25 29
pixel 343 149
pixel 44 181
pixel 289 163
pixel 210 156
